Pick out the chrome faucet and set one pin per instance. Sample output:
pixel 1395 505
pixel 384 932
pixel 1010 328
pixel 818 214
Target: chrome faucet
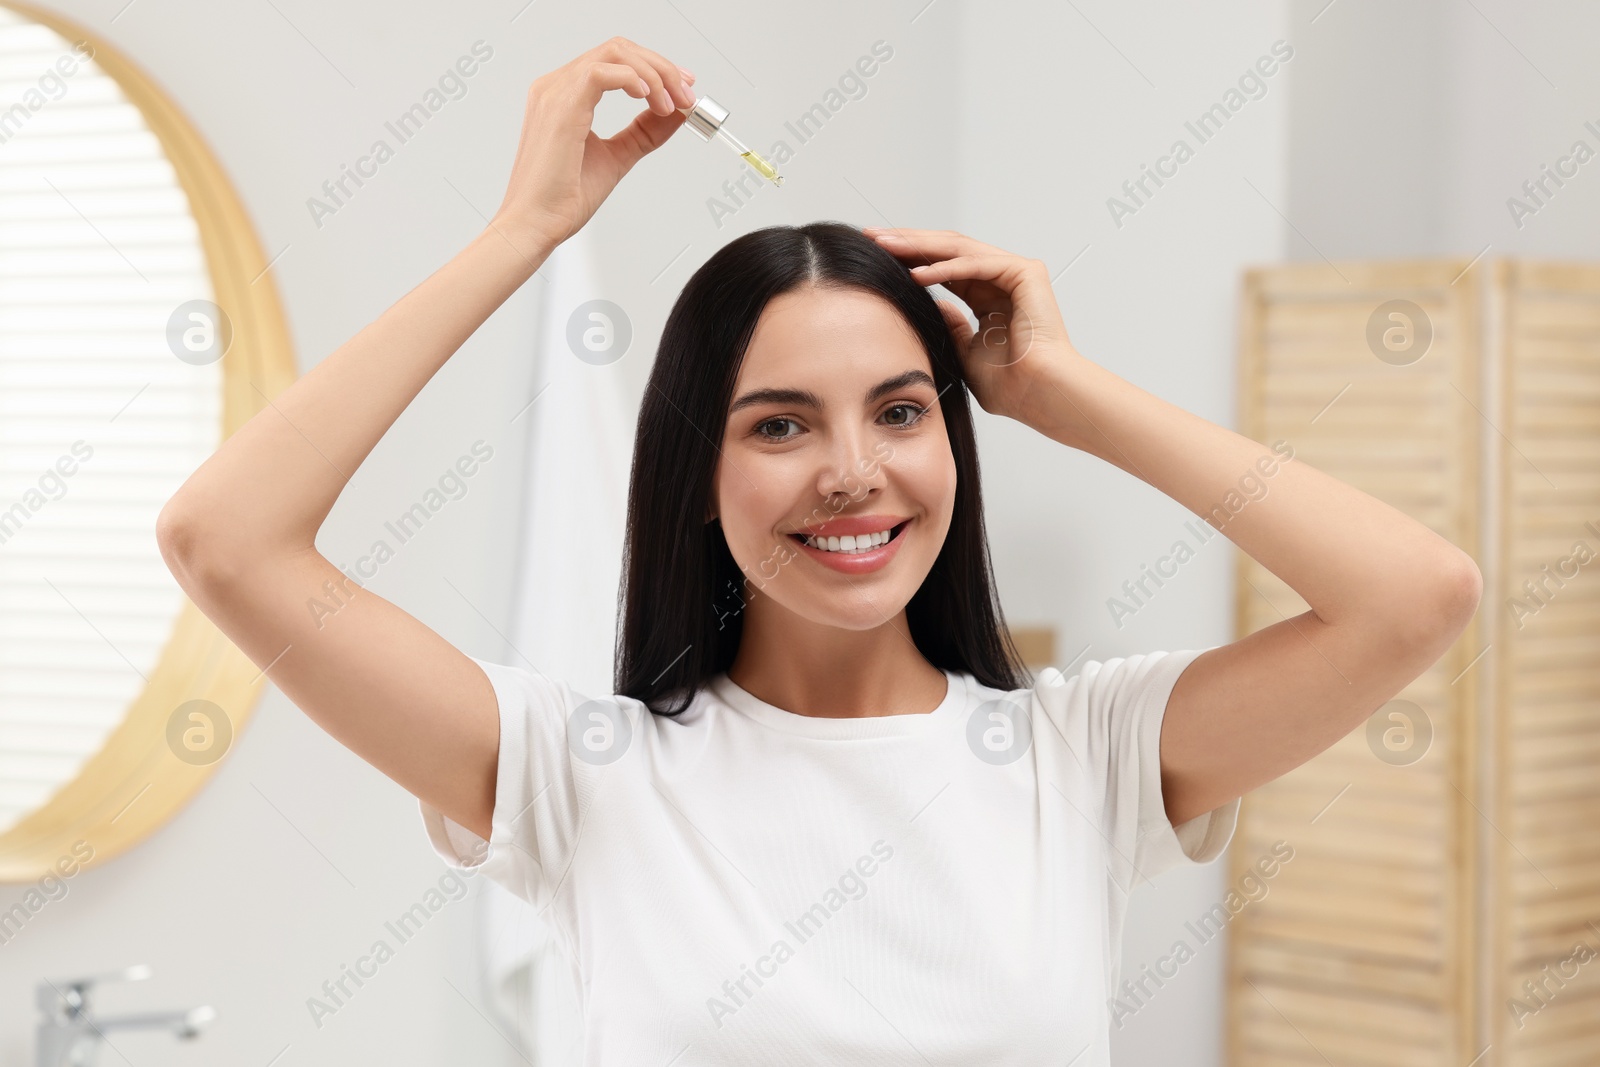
pixel 69 1035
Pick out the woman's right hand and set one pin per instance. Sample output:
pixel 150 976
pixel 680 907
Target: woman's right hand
pixel 563 170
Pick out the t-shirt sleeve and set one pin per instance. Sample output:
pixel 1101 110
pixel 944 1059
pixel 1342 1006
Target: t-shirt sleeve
pixel 539 794
pixel 1122 703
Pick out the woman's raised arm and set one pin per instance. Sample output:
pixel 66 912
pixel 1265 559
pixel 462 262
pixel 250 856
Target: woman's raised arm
pixel 1388 596
pixel 239 535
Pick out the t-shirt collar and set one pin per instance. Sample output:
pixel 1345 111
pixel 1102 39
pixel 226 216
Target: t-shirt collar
pixel 955 698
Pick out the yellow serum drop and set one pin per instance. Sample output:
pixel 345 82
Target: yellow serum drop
pixel 763 168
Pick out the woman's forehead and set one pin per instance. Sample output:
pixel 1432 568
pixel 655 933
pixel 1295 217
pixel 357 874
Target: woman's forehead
pixel 820 333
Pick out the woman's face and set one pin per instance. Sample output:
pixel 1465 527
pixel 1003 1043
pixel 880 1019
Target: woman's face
pixel 834 431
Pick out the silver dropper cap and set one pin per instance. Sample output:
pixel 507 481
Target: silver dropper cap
pixel 705 117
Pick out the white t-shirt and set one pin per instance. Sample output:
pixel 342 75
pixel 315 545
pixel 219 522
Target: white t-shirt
pixel 741 884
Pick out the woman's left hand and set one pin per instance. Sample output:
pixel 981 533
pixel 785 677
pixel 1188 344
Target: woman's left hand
pixel 1020 339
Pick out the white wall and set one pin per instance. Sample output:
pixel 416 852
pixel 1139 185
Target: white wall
pixel 1013 123
pixel 1414 124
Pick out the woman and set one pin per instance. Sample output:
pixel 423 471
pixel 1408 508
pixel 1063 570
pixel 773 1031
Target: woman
pixel 822 819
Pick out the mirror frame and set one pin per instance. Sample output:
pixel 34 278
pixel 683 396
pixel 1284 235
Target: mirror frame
pixel 135 783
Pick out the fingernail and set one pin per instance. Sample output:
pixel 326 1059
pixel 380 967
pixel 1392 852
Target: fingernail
pixel 644 87
pixel 687 73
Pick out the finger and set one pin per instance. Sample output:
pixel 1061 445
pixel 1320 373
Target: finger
pixel 929 245
pixel 658 97
pixel 956 319
pixel 989 282
pixel 602 77
pixel 1004 270
pixel 670 74
pixel 668 91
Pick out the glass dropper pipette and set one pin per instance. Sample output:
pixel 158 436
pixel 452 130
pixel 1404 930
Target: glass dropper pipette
pixel 706 118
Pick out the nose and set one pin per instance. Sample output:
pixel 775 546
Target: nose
pixel 849 466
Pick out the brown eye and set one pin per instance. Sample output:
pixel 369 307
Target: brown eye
pixel 762 428
pixel 911 413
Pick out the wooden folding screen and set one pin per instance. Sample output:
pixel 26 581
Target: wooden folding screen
pixel 1442 906
pixel 1541 979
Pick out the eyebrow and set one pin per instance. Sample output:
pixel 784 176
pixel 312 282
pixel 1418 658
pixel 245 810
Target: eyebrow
pixel 807 399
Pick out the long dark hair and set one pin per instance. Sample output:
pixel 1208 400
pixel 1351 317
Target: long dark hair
pixel 682 593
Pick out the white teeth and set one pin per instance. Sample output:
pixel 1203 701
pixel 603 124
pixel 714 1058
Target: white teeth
pixel 851 544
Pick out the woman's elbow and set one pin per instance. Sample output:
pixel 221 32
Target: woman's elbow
pixel 189 549
pixel 1446 607
pixel 1468 583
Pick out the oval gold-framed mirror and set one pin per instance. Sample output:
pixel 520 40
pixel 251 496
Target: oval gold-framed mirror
pixel 136 301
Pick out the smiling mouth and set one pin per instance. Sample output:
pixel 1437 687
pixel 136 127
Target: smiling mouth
pixel 848 545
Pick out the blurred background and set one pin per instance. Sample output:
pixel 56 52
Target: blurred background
pixel 1324 139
